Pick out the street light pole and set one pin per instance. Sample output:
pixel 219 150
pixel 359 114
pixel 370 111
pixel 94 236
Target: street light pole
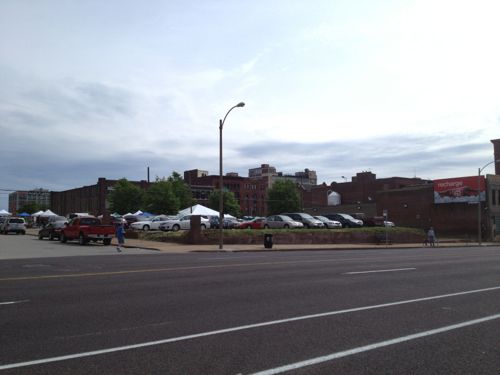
pixel 479 199
pixel 221 187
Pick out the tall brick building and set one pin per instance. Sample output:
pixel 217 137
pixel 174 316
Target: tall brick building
pixel 249 192
pixel 496 153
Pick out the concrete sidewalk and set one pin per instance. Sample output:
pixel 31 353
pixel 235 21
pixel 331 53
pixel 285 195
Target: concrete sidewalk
pixel 172 247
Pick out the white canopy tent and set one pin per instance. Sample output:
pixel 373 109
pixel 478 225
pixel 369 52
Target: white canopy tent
pixel 48 213
pixel 36 214
pixel 4 213
pixel 198 209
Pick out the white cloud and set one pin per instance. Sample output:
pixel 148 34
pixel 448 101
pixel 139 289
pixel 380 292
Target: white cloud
pixel 146 84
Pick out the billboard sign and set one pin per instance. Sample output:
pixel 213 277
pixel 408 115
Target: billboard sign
pixel 459 190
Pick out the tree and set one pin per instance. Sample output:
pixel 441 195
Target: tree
pixel 32 207
pixel 230 204
pixel 283 196
pixel 125 197
pixel 160 198
pixel 181 190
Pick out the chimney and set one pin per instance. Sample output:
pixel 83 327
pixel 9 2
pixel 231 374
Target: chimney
pixel 496 152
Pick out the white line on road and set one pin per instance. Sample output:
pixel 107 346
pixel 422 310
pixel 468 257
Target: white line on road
pixel 361 349
pixel 376 271
pixel 229 257
pixel 235 329
pixel 14 302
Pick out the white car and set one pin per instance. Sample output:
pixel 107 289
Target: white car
pixel 183 223
pixel 329 223
pixel 152 224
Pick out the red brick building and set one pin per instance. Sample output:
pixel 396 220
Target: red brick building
pixel 360 191
pixel 92 199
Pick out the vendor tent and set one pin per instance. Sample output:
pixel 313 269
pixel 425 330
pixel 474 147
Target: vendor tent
pixel 4 213
pixel 48 213
pixel 198 209
pixel 24 214
pixel 36 214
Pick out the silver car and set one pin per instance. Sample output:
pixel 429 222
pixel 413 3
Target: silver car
pixel 281 221
pixel 329 223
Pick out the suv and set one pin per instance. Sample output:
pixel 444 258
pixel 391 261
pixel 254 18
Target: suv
pixel 307 220
pixel 14 224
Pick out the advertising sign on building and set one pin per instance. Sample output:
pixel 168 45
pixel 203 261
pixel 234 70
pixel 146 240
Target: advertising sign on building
pixel 459 190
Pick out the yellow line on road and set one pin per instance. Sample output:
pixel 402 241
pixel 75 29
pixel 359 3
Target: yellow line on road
pixel 147 270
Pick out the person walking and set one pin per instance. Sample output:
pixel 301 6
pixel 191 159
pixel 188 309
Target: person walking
pixel 120 236
pixel 431 237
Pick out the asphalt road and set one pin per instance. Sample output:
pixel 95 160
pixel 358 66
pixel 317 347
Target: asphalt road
pixel 414 311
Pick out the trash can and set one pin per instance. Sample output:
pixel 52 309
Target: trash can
pixel 268 240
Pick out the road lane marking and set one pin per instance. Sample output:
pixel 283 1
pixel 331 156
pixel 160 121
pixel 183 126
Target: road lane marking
pixel 235 329
pixel 376 271
pixel 381 344
pixel 14 302
pixel 147 270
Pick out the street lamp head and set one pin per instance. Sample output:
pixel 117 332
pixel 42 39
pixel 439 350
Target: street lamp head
pixel 241 104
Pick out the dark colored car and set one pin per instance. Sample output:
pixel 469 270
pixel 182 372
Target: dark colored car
pixel 229 223
pixel 347 221
pixel 52 230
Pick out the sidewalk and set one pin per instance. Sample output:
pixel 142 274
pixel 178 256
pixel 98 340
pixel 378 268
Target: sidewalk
pixel 171 247
pixel 184 248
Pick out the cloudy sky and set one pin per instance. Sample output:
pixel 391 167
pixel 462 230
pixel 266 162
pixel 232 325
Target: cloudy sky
pixel 98 88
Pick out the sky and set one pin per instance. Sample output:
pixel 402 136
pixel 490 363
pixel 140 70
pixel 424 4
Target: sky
pixel 95 88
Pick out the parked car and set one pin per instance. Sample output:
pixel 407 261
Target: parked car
pixel 14 224
pixel 307 220
pixel 281 221
pixel 52 230
pixel 329 223
pixel 254 223
pixel 229 223
pixel 130 219
pixel 347 220
pixel 119 220
pixel 183 223
pixel 152 223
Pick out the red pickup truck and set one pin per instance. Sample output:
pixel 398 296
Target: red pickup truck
pixel 86 229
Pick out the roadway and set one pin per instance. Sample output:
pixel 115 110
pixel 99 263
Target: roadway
pixel 383 311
